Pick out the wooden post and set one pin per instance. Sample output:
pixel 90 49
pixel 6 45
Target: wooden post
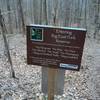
pixel 59 81
pixel 51 83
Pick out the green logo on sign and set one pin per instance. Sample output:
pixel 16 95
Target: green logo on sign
pixel 36 34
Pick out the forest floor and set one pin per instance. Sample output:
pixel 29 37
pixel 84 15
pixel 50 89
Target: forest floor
pixel 82 85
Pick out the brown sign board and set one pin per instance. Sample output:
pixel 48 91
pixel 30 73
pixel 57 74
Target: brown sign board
pixel 55 47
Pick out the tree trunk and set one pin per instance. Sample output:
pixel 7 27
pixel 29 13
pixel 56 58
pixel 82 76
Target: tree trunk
pixel 85 17
pixel 9 16
pixel 4 30
pixel 15 15
pixel 97 22
pixel 35 11
pixel 41 11
pixel 21 15
pixel 45 12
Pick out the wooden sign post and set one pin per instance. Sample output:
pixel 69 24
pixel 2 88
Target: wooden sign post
pixel 51 83
pixel 59 81
pixel 55 48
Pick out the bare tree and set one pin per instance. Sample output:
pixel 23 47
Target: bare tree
pixel 96 20
pixel 80 14
pixel 68 13
pixel 21 15
pixel 41 11
pixel 4 30
pixel 36 12
pixel 15 15
pixel 85 15
pixel 55 12
pixel 9 16
pixel 45 12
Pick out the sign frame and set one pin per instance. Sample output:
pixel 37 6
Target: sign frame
pixel 63 40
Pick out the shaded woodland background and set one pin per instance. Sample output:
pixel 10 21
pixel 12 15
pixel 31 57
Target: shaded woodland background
pixel 72 13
